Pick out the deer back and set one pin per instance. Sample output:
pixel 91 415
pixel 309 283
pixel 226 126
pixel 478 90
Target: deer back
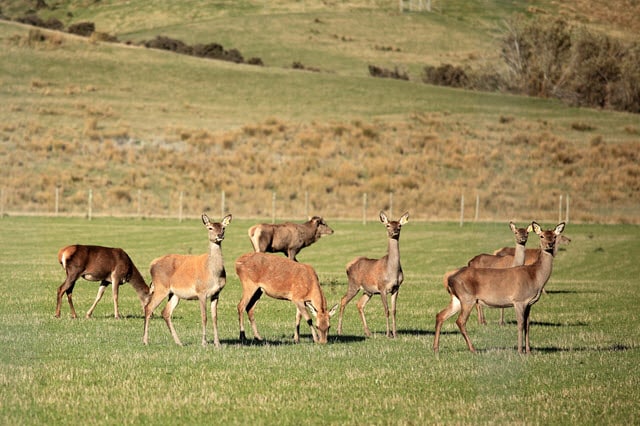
pixel 281 278
pixel 95 263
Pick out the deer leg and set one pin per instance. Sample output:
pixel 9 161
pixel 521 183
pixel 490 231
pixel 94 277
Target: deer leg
pixel 501 316
pixel 203 317
pixel 116 287
pixel 442 316
pixel 462 321
pixel 101 290
pixel 527 312
pixel 296 334
pixel 247 303
pixel 66 287
pixel 351 292
pixel 302 311
pixel 481 318
pixel 168 311
pixel 394 299
pixel 155 299
pixel 214 319
pixel 520 314
pixel 360 305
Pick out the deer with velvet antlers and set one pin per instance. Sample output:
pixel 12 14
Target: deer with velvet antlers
pixel 520 287
pixel 284 279
pixel 96 263
pixel 377 276
pixel 189 277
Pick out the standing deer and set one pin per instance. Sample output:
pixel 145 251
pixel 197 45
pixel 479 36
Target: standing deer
pixel 520 287
pixel 377 276
pixel 507 261
pixel 284 279
pixel 189 277
pixel 95 263
pixel 288 238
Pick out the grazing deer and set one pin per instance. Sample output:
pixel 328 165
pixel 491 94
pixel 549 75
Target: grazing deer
pixel 95 263
pixel 520 287
pixel 189 277
pixel 284 279
pixel 507 261
pixel 377 276
pixel 288 238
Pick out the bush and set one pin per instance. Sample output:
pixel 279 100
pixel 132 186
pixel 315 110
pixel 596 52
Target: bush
pixel 84 29
pixel 375 71
pixel 445 75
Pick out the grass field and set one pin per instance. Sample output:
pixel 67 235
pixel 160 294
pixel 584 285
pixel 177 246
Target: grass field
pixel 583 368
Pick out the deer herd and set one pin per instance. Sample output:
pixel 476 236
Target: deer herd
pixel 510 277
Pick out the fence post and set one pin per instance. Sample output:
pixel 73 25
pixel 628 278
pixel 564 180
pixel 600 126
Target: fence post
pixel 461 209
pixel 139 202
pixel 390 204
pixel 222 202
pixel 180 206
pixel 90 212
pixel 477 207
pixel 273 207
pixel 560 209
pixel 306 204
pixel 566 211
pixel 364 208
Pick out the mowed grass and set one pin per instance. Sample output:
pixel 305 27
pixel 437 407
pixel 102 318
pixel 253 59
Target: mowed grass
pixel 584 334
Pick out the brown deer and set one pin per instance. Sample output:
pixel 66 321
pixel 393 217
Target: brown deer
pixel 283 279
pixel 520 287
pixel 507 261
pixel 95 263
pixel 288 238
pixel 377 276
pixel 189 277
pixel 531 254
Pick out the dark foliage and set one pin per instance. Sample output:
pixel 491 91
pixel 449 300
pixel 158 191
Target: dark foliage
pixel 446 75
pixel 84 29
pixel 380 72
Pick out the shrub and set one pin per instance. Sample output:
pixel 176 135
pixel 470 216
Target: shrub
pixel 84 29
pixel 380 72
pixel 445 75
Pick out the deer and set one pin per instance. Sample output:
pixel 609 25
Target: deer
pixel 377 276
pixel 531 254
pixel 284 279
pixel 507 261
pixel 96 263
pixel 288 238
pixel 520 287
pixel 190 277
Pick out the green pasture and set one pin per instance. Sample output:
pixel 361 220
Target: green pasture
pixel 583 368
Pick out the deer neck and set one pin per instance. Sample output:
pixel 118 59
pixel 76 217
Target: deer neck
pixel 519 255
pixel 215 261
pixel 544 266
pixel 393 256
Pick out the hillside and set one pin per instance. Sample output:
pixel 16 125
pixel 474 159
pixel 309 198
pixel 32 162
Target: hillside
pixel 143 129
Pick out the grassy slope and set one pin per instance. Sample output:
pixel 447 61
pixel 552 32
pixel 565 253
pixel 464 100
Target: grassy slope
pixel 584 367
pixel 94 115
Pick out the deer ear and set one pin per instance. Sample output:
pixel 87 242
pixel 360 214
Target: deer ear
pixel 559 229
pixel 513 227
pixel 311 308
pixel 529 228
pixel 333 310
pixel 404 219
pixel 226 220
pixel 383 218
pixel 205 219
pixel 536 228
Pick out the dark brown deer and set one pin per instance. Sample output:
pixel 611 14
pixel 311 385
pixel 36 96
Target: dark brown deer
pixel 377 276
pixel 96 263
pixel 189 277
pixel 506 261
pixel 520 287
pixel 283 279
pixel 288 238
